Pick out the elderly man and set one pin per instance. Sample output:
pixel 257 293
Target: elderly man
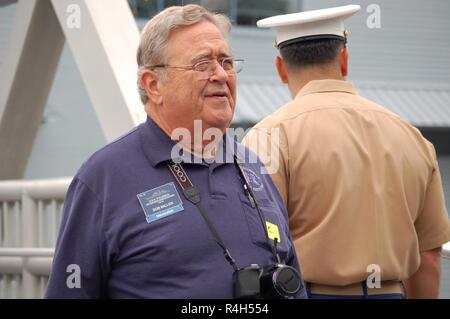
pixel 148 218
pixel 362 186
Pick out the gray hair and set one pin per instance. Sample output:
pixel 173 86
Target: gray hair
pixel 155 35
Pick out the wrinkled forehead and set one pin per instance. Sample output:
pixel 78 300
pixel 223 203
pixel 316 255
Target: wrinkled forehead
pixel 200 31
pixel 200 37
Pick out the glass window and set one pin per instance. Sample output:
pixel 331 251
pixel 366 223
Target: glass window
pixel 143 8
pixel 250 11
pixel 242 12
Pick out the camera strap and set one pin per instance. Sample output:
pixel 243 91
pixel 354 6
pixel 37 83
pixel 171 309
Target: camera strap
pixel 192 194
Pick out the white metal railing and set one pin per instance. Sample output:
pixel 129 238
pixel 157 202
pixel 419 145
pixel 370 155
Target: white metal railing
pixel 29 219
pixel 446 250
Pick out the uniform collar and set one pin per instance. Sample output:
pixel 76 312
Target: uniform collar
pixel 157 145
pixel 323 86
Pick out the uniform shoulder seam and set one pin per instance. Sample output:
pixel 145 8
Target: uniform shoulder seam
pixel 81 181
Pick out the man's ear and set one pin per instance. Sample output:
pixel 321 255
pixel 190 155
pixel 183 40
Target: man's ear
pixel 281 68
pixel 150 81
pixel 343 61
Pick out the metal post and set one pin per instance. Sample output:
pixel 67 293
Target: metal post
pixel 233 11
pixel 26 74
pixel 54 217
pixel 5 226
pixel 7 286
pixel 160 5
pixel 29 239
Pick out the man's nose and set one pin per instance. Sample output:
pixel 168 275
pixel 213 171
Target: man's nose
pixel 219 73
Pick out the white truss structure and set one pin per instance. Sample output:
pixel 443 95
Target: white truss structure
pixel 103 37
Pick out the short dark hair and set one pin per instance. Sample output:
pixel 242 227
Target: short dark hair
pixel 311 52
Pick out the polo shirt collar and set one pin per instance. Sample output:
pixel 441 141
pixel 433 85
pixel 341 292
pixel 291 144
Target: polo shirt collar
pixel 157 145
pixel 324 86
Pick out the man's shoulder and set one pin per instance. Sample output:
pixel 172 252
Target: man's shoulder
pixel 284 113
pixel 308 105
pixel 249 158
pixel 112 156
pixel 295 109
pixel 394 119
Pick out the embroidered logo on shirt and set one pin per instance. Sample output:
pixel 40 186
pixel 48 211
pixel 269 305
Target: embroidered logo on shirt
pixel 254 180
pixel 160 202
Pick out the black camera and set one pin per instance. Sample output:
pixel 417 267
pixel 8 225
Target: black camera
pixel 275 281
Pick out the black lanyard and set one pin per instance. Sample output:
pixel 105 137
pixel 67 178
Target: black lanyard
pixel 192 194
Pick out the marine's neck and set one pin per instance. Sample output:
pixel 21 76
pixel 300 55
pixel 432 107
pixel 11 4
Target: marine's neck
pixel 299 78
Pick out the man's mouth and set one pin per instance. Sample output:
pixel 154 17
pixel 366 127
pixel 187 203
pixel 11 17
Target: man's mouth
pixel 217 95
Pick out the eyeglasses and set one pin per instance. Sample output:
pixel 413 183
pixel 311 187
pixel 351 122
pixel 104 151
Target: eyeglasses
pixel 206 68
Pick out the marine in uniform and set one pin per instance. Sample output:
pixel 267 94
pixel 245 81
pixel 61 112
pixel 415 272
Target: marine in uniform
pixel 140 223
pixel 362 186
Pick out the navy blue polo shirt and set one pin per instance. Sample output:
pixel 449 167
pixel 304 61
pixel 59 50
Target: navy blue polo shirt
pixel 107 242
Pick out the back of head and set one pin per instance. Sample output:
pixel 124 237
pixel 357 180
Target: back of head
pixel 156 33
pixel 311 38
pixel 319 52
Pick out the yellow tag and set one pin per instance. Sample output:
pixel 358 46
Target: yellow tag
pixel 273 232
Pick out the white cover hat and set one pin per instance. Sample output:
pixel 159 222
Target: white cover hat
pixel 301 26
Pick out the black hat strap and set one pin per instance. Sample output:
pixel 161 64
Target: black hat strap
pixel 311 38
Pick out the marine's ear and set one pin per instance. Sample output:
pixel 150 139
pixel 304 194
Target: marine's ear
pixel 150 81
pixel 343 61
pixel 281 68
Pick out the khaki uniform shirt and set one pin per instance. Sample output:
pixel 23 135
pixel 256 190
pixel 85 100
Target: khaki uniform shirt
pixel 361 185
